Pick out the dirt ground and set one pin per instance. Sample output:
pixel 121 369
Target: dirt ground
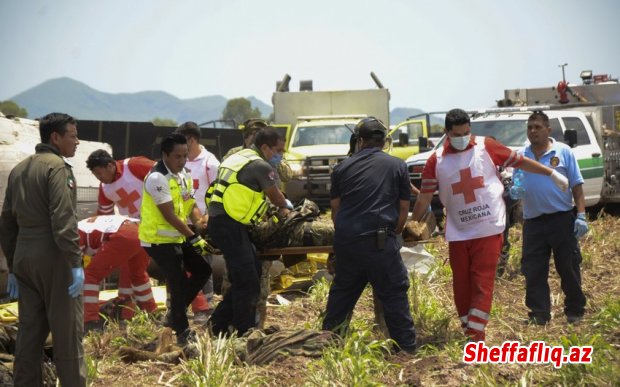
pixel 601 282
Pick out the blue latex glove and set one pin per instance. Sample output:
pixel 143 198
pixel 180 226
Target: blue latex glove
pixel 12 286
pixel 289 205
pixel 78 282
pixel 581 225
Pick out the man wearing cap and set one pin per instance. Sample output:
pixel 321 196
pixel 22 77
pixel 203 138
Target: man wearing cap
pixel 236 200
pixel 250 128
pixel 464 171
pixel 370 201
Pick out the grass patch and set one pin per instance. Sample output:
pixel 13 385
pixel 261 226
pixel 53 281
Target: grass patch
pixel 360 362
pixel 216 365
pixel 429 314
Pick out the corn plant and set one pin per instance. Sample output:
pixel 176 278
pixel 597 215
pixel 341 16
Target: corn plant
pixel 359 362
pixel 429 314
pixel 217 365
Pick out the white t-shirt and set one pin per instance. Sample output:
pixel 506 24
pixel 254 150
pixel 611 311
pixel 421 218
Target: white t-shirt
pixel 156 184
pixel 203 170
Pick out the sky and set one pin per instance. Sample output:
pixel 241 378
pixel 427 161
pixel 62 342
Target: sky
pixel 433 55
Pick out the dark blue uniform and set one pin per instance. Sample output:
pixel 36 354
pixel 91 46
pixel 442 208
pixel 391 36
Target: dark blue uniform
pixel 370 185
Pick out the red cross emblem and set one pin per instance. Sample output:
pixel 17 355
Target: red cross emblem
pixel 127 200
pixel 467 185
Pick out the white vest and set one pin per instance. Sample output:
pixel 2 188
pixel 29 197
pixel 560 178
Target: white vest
pixel 471 191
pixel 98 226
pixel 126 192
pixel 202 177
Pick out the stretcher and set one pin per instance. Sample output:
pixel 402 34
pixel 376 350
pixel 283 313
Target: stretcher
pixel 297 250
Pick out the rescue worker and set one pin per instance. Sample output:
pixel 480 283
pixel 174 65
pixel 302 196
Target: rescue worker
pixel 111 241
pixel 235 200
pixel 370 194
pixel 250 128
pixel 202 165
pixel 121 184
pixel 283 174
pixel 465 172
pixel 39 236
pixel 167 201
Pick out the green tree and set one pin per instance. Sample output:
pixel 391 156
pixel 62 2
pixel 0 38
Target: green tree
pixel 10 108
pixel 240 109
pixel 164 122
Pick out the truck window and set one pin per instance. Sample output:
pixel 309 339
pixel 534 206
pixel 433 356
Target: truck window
pixel 575 123
pixel 508 132
pixel 413 130
pixel 556 130
pixel 320 135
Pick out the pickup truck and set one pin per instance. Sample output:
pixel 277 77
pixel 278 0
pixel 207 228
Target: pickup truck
pixel 586 130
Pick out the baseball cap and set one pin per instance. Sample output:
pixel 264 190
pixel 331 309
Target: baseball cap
pixel 371 127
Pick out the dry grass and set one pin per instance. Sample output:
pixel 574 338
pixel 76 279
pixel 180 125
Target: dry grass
pixel 438 360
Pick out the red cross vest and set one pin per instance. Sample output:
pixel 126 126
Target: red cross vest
pixel 471 191
pixel 93 229
pixel 125 192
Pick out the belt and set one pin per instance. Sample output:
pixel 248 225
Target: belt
pixel 550 216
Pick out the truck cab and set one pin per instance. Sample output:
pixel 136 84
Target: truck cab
pixel 321 123
pixel 409 138
pixel 314 146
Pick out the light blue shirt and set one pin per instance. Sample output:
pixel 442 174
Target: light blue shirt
pixel 542 196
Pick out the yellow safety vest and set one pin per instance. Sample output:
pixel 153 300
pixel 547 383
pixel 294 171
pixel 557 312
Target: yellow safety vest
pixel 153 226
pixel 240 202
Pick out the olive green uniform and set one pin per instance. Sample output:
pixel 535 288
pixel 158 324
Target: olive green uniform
pixel 38 233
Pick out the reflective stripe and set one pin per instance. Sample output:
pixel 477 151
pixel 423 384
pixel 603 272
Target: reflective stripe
pixel 141 288
pixel 144 298
pixel 475 326
pixel 90 300
pixel 463 318
pixel 168 233
pixel 106 209
pixel 227 173
pixel 478 313
pixel 91 287
pixel 125 291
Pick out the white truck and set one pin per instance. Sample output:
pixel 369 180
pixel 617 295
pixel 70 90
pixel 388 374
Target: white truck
pixel 590 125
pixel 18 137
pixel 319 125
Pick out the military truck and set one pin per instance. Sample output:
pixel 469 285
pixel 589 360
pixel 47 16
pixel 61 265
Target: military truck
pixel 18 137
pixel 318 129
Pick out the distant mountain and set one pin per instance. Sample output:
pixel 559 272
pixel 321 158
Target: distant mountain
pixel 84 102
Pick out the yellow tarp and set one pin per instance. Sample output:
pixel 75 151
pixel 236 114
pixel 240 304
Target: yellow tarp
pixel 9 313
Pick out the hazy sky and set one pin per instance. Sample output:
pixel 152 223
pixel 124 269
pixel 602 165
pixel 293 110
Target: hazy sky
pixel 432 55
